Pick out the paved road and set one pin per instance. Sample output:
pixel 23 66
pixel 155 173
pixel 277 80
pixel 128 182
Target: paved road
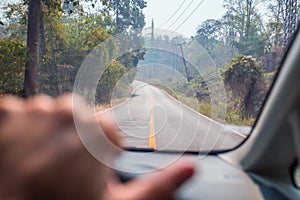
pixel 151 118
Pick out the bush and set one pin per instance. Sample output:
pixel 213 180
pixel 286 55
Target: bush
pixel 244 81
pixel 12 65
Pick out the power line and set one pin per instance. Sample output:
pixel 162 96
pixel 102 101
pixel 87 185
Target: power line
pixel 180 14
pixel 173 14
pixel 201 2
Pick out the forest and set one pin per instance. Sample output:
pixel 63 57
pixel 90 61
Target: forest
pixel 248 44
pixel 44 42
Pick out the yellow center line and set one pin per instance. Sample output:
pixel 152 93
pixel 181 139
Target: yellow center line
pixel 152 140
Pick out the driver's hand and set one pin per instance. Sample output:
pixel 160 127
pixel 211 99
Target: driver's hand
pixel 42 157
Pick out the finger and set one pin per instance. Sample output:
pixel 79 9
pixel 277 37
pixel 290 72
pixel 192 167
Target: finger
pixel 64 108
pixel 161 185
pixel 109 128
pixel 9 105
pixel 41 104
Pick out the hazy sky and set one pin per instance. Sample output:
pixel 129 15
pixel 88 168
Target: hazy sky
pixel 162 10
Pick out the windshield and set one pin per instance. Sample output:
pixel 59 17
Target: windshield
pixel 175 75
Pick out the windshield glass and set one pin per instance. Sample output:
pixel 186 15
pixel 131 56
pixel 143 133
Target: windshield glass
pixel 175 75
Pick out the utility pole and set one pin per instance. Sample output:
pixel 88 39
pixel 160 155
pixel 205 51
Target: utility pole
pixel 152 30
pixel 183 59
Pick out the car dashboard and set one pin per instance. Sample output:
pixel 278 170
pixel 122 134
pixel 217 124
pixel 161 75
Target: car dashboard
pixel 214 177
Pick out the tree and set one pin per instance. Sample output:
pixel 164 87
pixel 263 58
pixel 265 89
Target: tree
pixel 129 18
pixel 284 21
pixel 35 34
pixel 32 45
pixel 59 38
pixel 282 24
pixel 275 24
pixel 244 78
pixel 290 17
pixel 12 65
pixel 244 26
pixel 48 8
pixel 128 13
pixel 208 34
pixel 68 42
pixel 16 20
pixel 108 81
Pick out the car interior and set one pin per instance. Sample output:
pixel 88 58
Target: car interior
pixel 81 43
pixel 264 166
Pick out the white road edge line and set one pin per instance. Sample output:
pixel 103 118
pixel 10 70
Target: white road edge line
pixel 144 84
pixel 223 125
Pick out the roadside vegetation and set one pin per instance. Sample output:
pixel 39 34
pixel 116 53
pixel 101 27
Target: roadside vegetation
pixel 246 47
pixel 258 32
pixel 44 42
pixel 60 36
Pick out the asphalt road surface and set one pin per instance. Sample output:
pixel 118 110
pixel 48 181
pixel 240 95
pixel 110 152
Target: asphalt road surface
pixel 153 119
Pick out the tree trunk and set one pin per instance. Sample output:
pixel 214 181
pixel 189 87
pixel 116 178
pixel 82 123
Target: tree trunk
pixel 32 48
pixel 42 39
pixel 248 22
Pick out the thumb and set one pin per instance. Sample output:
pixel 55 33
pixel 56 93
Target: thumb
pixel 160 185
